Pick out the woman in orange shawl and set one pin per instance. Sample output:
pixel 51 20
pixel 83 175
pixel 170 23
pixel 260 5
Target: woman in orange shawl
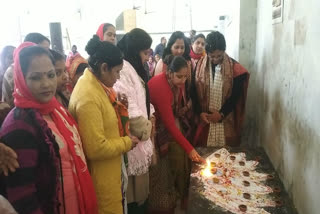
pixel 221 85
pixel 75 67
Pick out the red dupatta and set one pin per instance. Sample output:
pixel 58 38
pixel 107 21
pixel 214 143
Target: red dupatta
pixel 68 129
pixel 193 55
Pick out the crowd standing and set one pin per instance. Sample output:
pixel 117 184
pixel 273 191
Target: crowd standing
pixel 117 132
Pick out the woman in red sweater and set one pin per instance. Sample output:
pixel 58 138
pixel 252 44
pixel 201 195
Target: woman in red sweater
pixel 169 178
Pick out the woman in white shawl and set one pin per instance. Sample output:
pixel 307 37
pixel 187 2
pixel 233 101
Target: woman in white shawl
pixel 135 46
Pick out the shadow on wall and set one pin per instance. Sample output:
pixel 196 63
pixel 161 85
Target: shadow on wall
pixel 251 129
pixel 255 99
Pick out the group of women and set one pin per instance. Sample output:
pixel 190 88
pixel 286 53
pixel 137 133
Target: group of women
pixel 120 143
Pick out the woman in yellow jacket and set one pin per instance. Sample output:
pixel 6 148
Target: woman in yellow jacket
pixel 94 105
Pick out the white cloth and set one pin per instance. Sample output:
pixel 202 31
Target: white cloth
pixel 130 84
pixel 216 131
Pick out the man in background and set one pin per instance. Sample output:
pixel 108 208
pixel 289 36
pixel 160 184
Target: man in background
pixel 160 47
pixel 192 35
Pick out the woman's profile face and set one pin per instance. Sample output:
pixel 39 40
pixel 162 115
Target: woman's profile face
pixel 62 78
pixel 179 78
pixel 110 76
pixel 144 56
pixel 41 78
pixel 110 35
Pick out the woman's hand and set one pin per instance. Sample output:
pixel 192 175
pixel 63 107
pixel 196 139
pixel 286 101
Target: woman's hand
pixel 204 117
pixel 153 122
pixel 8 160
pixel 134 141
pixel 183 111
pixel 122 98
pixel 215 117
pixel 194 156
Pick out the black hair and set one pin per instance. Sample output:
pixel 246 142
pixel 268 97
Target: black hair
pixel 74 46
pixel 56 56
pixel 106 26
pixel 193 32
pixel 81 68
pixel 215 41
pixel 177 35
pixel 175 63
pixel 35 38
pixel 131 44
pixel 102 52
pixel 197 37
pixel 27 54
pixel 162 38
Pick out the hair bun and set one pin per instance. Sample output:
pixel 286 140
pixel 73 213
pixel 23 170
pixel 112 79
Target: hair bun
pixel 168 59
pixel 93 45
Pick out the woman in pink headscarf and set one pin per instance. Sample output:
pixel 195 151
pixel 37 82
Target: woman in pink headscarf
pixel 53 176
pixel 107 32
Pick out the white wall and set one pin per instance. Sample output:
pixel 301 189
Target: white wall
pixel 82 17
pixel 247 53
pixel 232 30
pixel 286 97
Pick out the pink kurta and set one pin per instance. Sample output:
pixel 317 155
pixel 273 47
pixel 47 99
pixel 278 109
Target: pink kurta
pixel 70 192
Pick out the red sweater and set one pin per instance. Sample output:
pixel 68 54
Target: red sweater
pixel 162 98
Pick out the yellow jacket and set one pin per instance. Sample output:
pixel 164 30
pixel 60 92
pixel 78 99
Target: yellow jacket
pixel 103 146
